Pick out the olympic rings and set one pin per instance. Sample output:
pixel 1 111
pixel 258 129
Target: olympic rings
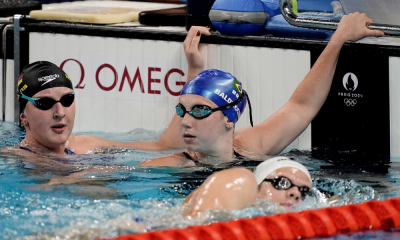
pixel 350 102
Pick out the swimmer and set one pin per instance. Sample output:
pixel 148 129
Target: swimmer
pixel 212 102
pixel 279 180
pixel 47 104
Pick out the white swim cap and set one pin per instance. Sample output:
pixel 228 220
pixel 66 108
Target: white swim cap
pixel 269 166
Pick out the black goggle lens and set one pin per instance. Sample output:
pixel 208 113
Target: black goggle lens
pixel 47 103
pixel 283 183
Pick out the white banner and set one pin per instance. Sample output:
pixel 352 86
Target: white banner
pixel 123 84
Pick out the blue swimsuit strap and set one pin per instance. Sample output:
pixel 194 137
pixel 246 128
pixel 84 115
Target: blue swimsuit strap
pixel 66 150
pixel 26 149
pixel 69 152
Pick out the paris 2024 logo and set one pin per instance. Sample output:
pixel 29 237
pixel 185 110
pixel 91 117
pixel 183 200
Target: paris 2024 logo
pixel 350 84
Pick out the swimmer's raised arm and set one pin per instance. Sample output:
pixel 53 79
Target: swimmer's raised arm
pixel 192 48
pixel 280 129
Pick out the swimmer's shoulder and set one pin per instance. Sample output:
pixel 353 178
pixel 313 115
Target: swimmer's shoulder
pixel 228 189
pixel 175 159
pixel 243 153
pixel 17 150
pixel 81 144
pixel 24 154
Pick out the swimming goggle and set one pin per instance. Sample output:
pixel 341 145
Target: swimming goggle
pixel 45 103
pixel 203 111
pixel 283 183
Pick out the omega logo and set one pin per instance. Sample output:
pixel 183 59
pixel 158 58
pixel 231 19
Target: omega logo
pixel 130 79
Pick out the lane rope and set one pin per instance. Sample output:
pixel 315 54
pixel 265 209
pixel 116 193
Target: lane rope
pixel 324 222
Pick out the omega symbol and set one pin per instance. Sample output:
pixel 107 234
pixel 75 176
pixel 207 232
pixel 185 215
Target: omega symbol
pixel 350 82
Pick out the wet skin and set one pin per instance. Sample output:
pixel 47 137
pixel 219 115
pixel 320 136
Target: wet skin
pixel 284 197
pixel 237 188
pixel 207 134
pixel 49 128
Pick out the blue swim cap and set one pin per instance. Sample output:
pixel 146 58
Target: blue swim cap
pixel 220 87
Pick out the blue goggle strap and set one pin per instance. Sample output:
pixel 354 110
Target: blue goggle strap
pixel 32 100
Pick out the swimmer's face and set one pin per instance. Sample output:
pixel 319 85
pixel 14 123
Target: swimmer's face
pixel 203 135
pixel 285 197
pixel 50 128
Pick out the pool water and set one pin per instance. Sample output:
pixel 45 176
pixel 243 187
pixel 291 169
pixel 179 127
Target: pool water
pixel 117 197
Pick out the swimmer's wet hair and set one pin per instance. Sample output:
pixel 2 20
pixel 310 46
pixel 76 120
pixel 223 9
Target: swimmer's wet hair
pixel 38 76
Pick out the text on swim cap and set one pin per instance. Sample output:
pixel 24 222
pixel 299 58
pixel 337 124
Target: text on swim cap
pixel 223 95
pixel 235 93
pixel 23 88
pixel 229 100
pixel 48 78
pixel 235 107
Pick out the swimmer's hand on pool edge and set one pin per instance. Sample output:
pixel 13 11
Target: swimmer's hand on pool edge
pixel 192 49
pixel 353 27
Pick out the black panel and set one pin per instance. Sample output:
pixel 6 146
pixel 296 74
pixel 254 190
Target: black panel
pixel 164 17
pixel 24 43
pixel 9 43
pixel 197 13
pixel 23 7
pixel 355 117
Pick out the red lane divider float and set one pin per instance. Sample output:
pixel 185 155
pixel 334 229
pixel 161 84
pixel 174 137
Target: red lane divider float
pixel 325 222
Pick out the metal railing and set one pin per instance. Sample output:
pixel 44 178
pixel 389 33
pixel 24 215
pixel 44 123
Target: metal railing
pixel 13 23
pixel 5 70
pixel 308 22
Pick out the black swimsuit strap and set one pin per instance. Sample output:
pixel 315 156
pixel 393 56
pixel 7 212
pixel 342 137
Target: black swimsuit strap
pixel 237 156
pixel 190 158
pixel 187 155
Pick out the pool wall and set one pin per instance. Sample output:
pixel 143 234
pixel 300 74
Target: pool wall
pixel 130 77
